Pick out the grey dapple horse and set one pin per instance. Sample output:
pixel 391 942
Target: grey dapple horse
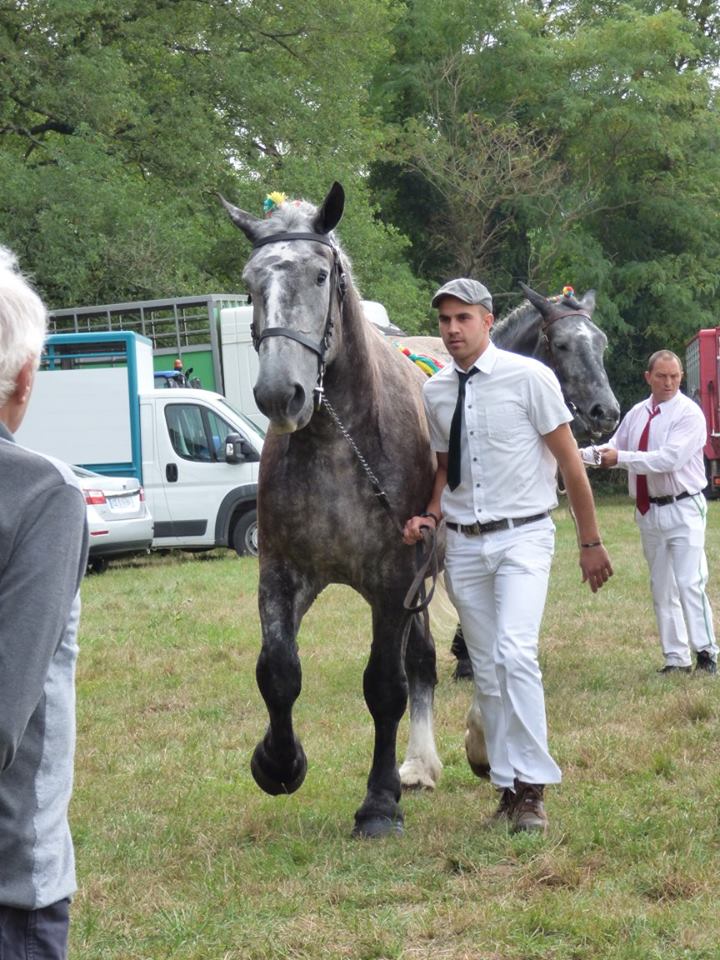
pixel 319 518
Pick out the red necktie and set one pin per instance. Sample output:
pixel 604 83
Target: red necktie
pixel 642 500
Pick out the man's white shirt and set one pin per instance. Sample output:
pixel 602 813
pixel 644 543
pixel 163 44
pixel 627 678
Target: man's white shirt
pixel 506 468
pixel 673 461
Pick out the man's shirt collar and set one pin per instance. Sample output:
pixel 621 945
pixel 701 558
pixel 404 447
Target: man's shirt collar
pixel 485 362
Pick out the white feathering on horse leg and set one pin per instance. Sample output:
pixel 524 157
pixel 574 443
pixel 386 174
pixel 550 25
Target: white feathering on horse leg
pixel 422 766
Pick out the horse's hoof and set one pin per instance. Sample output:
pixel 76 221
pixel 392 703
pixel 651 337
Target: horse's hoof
pixel 378 827
pixel 414 775
pixel 463 670
pixel 475 747
pixel 481 770
pixel 271 780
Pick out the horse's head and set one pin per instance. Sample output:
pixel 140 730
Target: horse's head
pixel 296 281
pixel 574 346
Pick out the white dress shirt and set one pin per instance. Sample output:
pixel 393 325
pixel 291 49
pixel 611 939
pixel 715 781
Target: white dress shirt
pixel 506 468
pixel 673 461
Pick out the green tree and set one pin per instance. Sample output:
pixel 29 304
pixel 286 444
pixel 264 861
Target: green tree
pixel 120 119
pixel 608 115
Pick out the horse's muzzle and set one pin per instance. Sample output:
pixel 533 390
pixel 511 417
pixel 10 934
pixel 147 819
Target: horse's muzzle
pixel 288 408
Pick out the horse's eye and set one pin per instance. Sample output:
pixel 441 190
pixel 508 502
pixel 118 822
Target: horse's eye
pixel 321 277
pixel 561 346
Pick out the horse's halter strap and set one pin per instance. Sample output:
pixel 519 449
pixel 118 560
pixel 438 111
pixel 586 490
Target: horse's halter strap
pixel 548 346
pixel 337 281
pixel 561 316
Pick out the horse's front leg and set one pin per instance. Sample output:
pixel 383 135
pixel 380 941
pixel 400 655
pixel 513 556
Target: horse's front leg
pixel 422 765
pixel 279 764
pixel 385 689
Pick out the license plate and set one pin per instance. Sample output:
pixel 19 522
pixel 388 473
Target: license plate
pixel 124 504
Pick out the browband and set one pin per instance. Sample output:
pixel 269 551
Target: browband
pixel 277 237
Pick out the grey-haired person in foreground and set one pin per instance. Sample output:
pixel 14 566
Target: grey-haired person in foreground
pixel 43 556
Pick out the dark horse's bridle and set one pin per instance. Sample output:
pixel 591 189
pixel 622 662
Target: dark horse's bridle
pixel 338 284
pixel 546 324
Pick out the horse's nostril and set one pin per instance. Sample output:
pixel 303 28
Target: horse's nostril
pixel 296 402
pixel 601 414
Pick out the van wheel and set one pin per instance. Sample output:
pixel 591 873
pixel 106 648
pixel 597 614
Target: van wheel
pixel 245 535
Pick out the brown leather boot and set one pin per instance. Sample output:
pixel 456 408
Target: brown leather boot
pixel 529 810
pixel 504 810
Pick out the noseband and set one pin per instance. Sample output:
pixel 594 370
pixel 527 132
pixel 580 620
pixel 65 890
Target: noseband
pixel 337 282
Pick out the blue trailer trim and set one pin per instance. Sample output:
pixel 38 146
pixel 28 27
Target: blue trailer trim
pixel 110 347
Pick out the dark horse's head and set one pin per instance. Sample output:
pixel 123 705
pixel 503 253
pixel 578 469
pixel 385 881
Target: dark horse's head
pixel 570 343
pixel 297 281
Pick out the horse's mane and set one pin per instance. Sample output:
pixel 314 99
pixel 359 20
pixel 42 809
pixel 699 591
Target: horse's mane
pixel 512 326
pixel 290 215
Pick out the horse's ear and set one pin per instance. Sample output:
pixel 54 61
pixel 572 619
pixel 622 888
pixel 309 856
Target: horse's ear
pixel 588 301
pixel 331 211
pixel 246 221
pixel 540 302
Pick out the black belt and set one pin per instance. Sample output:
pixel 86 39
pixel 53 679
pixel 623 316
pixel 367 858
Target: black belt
pixel 663 501
pixel 473 529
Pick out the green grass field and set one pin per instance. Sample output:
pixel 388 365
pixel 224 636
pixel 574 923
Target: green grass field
pixel 181 856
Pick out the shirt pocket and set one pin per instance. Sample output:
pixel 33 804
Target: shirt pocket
pixel 502 420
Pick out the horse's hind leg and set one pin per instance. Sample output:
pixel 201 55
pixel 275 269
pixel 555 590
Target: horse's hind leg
pixel 385 688
pixel 422 765
pixel 279 764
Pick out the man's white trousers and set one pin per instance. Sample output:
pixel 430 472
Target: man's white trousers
pixel 498 583
pixel 673 540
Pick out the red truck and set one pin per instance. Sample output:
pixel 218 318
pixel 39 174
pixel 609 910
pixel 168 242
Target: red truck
pixel 702 378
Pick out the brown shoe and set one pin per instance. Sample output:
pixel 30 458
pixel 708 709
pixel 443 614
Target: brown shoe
pixel 504 811
pixel 529 811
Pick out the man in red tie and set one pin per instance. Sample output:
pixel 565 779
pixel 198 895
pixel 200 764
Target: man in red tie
pixel 660 444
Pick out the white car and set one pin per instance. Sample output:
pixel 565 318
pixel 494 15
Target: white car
pixel 118 517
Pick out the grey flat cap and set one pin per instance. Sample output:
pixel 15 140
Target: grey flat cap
pixel 469 291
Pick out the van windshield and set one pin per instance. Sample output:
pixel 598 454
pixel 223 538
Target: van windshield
pixel 246 421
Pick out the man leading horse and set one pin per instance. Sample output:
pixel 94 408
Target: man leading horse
pixel 500 428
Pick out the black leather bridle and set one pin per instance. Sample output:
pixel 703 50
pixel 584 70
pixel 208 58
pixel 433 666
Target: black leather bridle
pixel 337 285
pixel 551 357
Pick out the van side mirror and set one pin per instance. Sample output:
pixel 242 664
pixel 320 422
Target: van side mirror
pixel 238 450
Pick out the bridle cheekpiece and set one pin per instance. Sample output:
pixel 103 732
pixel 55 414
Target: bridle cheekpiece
pixel 337 281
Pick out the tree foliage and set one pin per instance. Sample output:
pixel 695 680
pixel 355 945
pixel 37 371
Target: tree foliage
pixel 543 141
pixel 120 119
pixel 563 142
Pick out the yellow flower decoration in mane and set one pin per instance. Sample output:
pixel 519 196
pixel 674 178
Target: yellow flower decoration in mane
pixel 273 201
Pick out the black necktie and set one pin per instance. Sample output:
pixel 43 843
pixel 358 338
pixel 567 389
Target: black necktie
pixel 453 476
